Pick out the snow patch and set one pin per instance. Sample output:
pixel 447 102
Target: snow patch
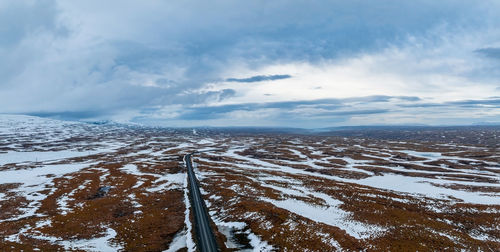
pixel 97 244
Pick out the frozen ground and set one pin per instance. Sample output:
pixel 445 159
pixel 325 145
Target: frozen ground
pixel 357 193
pixel 76 186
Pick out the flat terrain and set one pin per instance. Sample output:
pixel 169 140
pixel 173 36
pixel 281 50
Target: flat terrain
pixel 84 187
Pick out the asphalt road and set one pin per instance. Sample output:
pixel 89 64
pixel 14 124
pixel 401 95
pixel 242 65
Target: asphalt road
pixel 205 238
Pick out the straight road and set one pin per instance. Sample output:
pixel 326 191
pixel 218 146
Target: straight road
pixel 205 237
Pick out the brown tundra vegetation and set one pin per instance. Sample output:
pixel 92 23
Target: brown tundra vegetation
pixel 68 186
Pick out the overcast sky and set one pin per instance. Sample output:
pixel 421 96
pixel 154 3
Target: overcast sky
pixel 307 63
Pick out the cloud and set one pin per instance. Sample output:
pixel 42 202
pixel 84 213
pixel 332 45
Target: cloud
pixel 261 78
pixel 485 102
pixel 493 102
pixel 214 96
pixel 491 52
pixel 295 109
pixel 154 60
pixel 70 115
pixel 19 20
pixel 355 112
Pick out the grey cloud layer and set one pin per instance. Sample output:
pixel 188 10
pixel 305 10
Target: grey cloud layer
pixel 491 52
pixel 323 107
pixel 493 102
pixel 261 78
pixel 84 59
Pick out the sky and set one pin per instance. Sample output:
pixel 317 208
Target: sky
pixel 282 63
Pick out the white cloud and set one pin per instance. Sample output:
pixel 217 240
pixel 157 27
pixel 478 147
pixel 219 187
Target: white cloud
pixel 159 59
pixel 437 70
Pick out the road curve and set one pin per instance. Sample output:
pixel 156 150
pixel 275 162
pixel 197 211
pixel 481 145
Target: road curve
pixel 205 238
